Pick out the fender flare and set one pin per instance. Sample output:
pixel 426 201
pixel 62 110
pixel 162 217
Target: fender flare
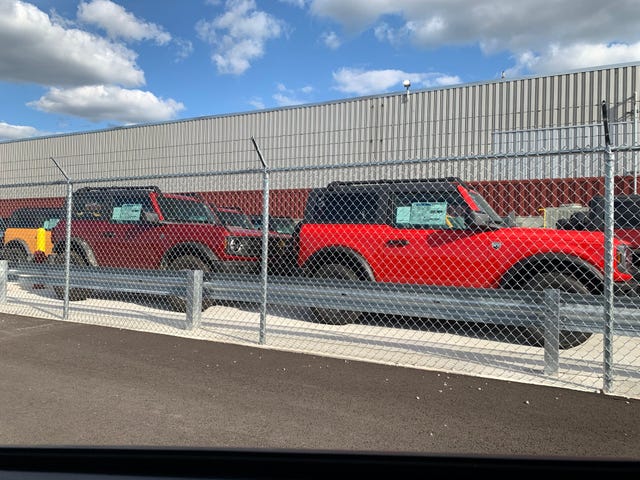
pixel 544 262
pixel 80 246
pixel 343 255
pixel 183 248
pixel 22 244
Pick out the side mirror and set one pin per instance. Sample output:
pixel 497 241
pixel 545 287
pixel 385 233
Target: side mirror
pixel 510 220
pixel 151 217
pixel 480 220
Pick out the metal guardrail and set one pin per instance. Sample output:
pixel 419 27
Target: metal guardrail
pixel 181 284
pixel 551 310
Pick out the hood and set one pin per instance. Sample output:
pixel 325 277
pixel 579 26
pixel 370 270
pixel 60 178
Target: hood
pixel 551 235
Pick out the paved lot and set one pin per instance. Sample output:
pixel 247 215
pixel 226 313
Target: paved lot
pixel 453 347
pixel 72 384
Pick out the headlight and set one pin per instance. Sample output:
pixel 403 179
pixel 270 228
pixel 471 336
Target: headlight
pixel 244 246
pixel 235 246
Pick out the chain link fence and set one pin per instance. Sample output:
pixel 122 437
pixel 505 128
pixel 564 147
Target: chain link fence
pixel 417 262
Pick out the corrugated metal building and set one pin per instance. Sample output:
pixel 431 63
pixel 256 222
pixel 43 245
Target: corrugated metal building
pixel 499 131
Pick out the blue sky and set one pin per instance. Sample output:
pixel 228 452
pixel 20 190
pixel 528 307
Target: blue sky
pixel 69 65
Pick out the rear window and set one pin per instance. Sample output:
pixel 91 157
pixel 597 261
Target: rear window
pixel 34 218
pixel 346 207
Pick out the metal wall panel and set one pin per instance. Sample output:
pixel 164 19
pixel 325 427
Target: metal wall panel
pixel 445 123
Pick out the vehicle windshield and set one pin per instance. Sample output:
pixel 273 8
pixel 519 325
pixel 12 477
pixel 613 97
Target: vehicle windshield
pixel 486 208
pixel 232 218
pixel 176 209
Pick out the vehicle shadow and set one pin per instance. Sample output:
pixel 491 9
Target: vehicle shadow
pixel 518 335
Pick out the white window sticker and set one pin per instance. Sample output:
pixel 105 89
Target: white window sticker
pixel 129 212
pixel 428 213
pixel 403 215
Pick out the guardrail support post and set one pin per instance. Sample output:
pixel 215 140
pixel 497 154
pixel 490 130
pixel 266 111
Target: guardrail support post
pixel 552 332
pixel 194 299
pixel 4 278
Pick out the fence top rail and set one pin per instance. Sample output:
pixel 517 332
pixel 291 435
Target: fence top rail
pixel 329 166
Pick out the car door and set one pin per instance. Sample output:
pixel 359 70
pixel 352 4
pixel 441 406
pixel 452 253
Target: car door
pixel 128 240
pixel 90 223
pixel 430 241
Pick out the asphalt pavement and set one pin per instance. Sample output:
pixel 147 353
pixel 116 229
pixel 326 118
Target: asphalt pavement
pixel 69 384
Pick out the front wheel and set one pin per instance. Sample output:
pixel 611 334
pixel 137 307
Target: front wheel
pixel 330 316
pixel 564 283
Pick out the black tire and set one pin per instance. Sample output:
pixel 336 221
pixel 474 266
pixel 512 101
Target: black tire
pixel 15 253
pixel 565 283
pixel 75 294
pixel 186 262
pixel 330 316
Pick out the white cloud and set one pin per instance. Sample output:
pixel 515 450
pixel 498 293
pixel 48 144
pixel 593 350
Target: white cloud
pixel 296 3
pixel 368 82
pixel 14 132
pixel 184 48
pixel 239 35
pixel 286 96
pixel 118 23
pixel 385 33
pixel 357 14
pixel 285 100
pixel 108 103
pixel 574 57
pixel 47 53
pixel 257 103
pixel 331 40
pixel 560 35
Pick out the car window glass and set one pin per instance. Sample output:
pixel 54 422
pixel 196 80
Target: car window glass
pixel 235 219
pixel 130 206
pixel 183 210
pixel 349 207
pixel 438 210
pixel 90 207
pixel 45 218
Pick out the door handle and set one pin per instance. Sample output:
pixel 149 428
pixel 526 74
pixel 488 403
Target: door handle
pixel 397 242
pixel 109 234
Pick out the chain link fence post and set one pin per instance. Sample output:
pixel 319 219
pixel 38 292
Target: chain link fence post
pixel 264 264
pixel 67 250
pixel 608 255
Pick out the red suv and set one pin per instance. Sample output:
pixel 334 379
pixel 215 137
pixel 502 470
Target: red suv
pixel 626 214
pixel 141 227
pixel 442 232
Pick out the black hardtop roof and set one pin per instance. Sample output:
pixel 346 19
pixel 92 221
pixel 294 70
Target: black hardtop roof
pixel 33 217
pixel 445 183
pixel 38 212
pixel 150 188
